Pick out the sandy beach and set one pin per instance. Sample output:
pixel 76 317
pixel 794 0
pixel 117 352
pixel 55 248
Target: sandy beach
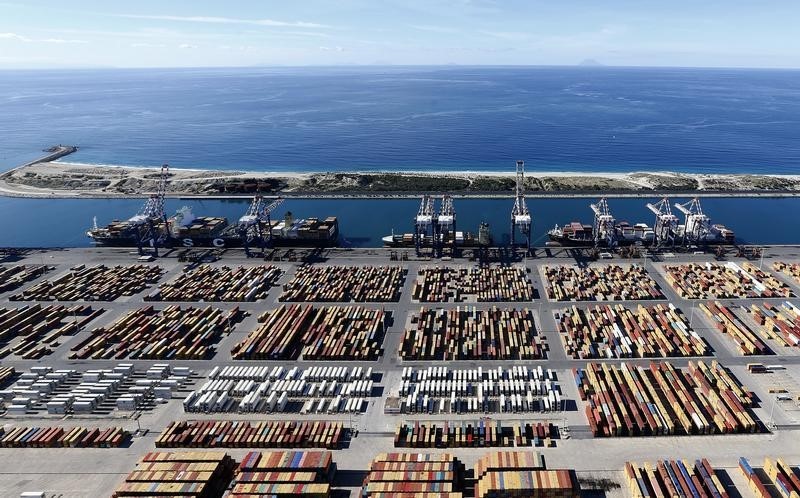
pixel 78 180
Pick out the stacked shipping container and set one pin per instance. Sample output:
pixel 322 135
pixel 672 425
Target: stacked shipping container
pixel 669 478
pixel 66 437
pixel 326 333
pixel 40 327
pixel 780 476
pixel 600 283
pixel 94 283
pixel 472 334
pixel 474 434
pixel 778 322
pixel 286 474
pixel 245 434
pixel 791 269
pixel 607 331
pixel 728 281
pixel 11 277
pixel 446 284
pixel 182 474
pixel 212 283
pixel 408 475
pixel 345 284
pixel 727 322
pixel 522 474
pixel 664 400
pixel 172 333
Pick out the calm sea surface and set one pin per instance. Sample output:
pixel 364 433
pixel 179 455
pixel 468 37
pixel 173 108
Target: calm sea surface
pixel 401 118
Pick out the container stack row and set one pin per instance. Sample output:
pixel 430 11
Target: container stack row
pixel 219 283
pixel 318 333
pixel 174 333
pixel 780 476
pixel 408 475
pixel 63 437
pixel 93 283
pixel 724 281
pixel 345 284
pixel 726 321
pixel 192 474
pixel 600 283
pixel 251 434
pixel 780 322
pixel 664 400
pixel 474 434
pixel 14 276
pixel 40 327
pixel 6 374
pixel 516 389
pixel 284 474
pixel 668 478
pixel 261 389
pixel 493 284
pixel 522 474
pixel 616 331
pixel 472 334
pixel 791 269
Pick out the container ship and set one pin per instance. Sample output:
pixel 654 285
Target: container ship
pixel 696 229
pixel 462 239
pixel 184 229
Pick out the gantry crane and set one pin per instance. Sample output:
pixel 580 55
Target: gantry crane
pixel 603 230
pixel 145 222
pixel 424 222
pixel 698 226
pixel 666 225
pixel 250 224
pixel 520 216
pixel 445 224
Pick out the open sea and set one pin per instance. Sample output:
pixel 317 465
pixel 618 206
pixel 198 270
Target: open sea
pixel 405 118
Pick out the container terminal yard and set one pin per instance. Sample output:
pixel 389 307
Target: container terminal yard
pixel 434 369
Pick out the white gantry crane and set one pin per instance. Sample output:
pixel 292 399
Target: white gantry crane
pixel 520 216
pixel 698 228
pixel 666 225
pixel 250 224
pixel 446 224
pixel 424 222
pixel 146 222
pixel 604 230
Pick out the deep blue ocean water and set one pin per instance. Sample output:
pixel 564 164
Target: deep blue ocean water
pixel 63 222
pixel 401 118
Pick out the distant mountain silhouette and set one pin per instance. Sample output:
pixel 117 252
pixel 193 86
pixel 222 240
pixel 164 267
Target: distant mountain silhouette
pixel 590 62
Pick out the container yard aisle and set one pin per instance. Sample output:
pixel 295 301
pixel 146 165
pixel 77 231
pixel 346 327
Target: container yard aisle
pixel 96 472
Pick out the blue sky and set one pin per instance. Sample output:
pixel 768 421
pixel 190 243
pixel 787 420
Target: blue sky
pixel 147 33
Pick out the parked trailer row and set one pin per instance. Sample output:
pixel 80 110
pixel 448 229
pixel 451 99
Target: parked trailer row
pixel 791 269
pixel 318 333
pixel 447 284
pixel 342 284
pixel 517 372
pixel 66 437
pixel 14 276
pixel 40 327
pixel 219 283
pixel 93 283
pixel 474 434
pixel 472 334
pixel 616 331
pixel 724 281
pixel 70 392
pixel 251 434
pixel 668 478
pixel 600 283
pixel 174 333
pixel 414 474
pixel 726 321
pixel 780 322
pixel 312 374
pixel 664 400
pixel 197 474
pixel 504 403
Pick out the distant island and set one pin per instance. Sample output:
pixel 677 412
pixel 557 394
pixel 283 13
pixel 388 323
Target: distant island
pixel 590 63
pixel 63 179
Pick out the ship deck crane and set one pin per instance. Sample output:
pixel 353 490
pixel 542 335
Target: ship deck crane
pixel 446 223
pixel 520 216
pixel 604 230
pixel 666 225
pixel 145 222
pixel 698 225
pixel 424 222
pixel 250 223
